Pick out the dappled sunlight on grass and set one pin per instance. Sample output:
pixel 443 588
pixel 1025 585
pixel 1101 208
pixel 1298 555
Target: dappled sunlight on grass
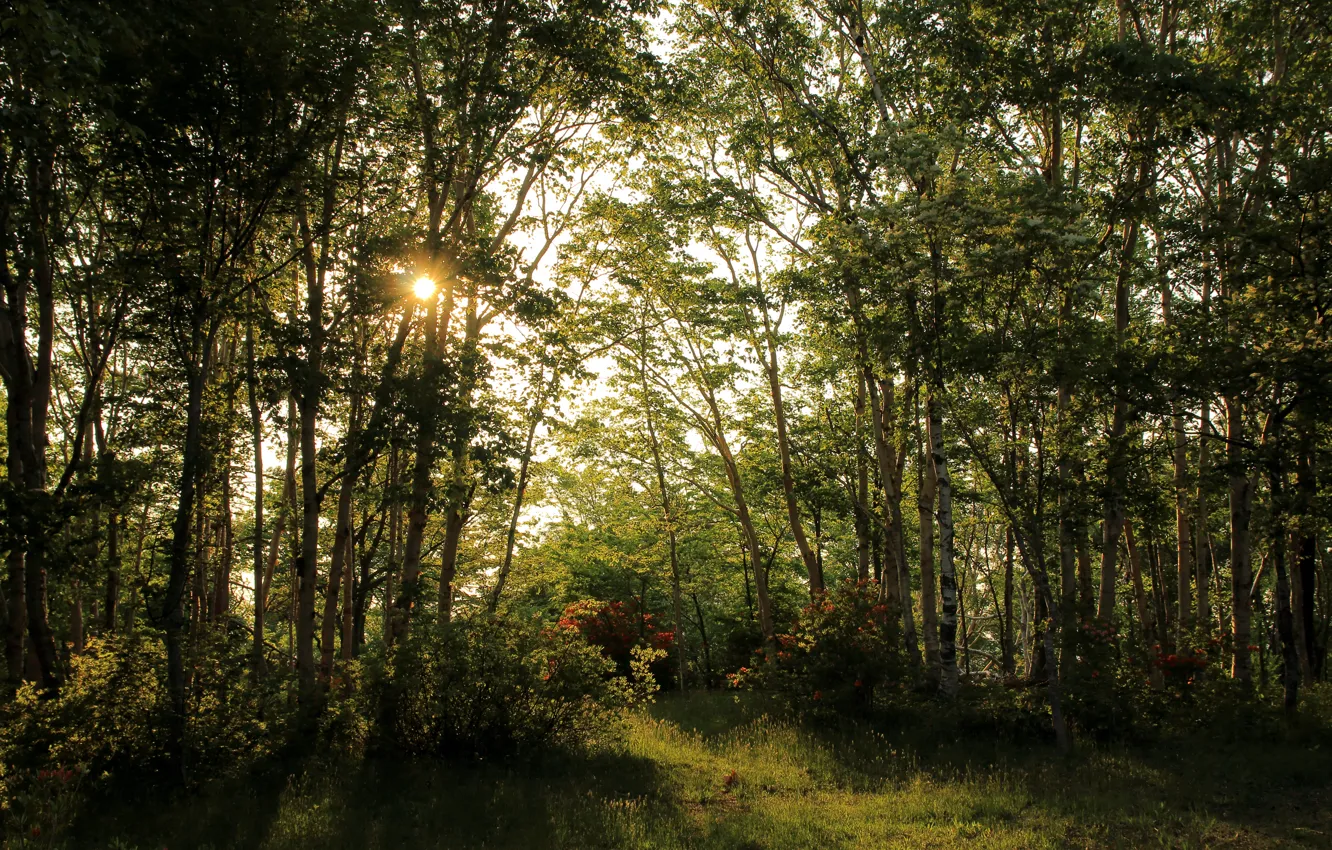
pixel 717 771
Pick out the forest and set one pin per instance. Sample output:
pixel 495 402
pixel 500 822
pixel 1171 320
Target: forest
pixel 651 423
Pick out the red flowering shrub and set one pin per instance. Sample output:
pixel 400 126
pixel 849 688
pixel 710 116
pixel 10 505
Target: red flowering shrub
pixel 616 628
pixel 843 650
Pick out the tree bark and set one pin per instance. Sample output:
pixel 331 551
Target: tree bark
pixel 812 566
pixel 929 607
pixel 896 585
pixel 948 682
pixel 1241 567
pixel 1117 473
pixel 257 447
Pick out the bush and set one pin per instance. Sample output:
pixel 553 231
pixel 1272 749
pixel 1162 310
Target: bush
pixel 618 628
pixel 488 686
pixel 840 655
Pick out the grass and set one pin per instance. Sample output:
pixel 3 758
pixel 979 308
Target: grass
pixel 715 771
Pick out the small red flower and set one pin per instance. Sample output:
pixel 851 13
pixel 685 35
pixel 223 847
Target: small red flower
pixel 818 695
pixel 858 683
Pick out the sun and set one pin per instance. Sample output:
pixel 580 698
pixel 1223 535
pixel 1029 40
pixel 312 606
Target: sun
pixel 423 288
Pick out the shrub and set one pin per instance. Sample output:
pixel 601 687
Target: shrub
pixel 617 628
pixel 840 655
pixel 488 686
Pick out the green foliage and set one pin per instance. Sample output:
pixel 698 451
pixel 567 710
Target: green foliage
pixel 501 687
pixel 841 655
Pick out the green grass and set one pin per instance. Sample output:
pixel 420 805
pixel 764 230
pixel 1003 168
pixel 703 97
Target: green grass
pixel 665 786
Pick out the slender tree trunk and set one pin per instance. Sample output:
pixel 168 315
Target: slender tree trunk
pixel 1068 524
pixel 1006 633
pixel 341 543
pixel 422 483
pixel 454 519
pixel 1145 618
pixel 287 508
pixel 1304 586
pixel 348 592
pixel 896 585
pixel 667 513
pixel 173 602
pixel 948 682
pixel 929 608
pixel 1290 663
pixel 511 538
pixel 812 566
pixel 16 623
pixel 1202 540
pixel 257 447
pixel 1117 473
pixel 1241 567
pixel 307 564
pixel 863 544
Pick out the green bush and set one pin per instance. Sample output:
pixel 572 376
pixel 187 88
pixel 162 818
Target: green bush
pixel 496 687
pixel 843 654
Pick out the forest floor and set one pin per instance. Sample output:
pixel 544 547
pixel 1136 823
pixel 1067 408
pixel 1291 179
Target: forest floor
pixel 714 771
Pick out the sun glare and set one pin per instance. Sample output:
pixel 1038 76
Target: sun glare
pixel 423 288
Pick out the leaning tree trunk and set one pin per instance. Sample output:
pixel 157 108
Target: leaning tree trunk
pixel 812 566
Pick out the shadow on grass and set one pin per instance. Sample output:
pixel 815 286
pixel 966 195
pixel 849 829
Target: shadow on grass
pixel 802 783
pixel 386 802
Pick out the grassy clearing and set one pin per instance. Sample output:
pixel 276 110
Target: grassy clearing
pixel 715 772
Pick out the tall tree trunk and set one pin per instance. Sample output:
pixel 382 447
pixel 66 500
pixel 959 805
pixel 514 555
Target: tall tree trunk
pixel 1202 542
pixel 307 564
pixel 929 607
pixel 511 538
pixel 1276 551
pixel 422 477
pixel 667 514
pixel 1241 568
pixel 948 682
pixel 1117 472
pixel 287 508
pixel 460 491
pixel 359 440
pixel 896 585
pixel 1304 586
pixel 1006 632
pixel 1145 613
pixel 1066 502
pixel 179 562
pixel 257 447
pixel 812 566
pixel 863 543
pixel 342 537
pixel 16 622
